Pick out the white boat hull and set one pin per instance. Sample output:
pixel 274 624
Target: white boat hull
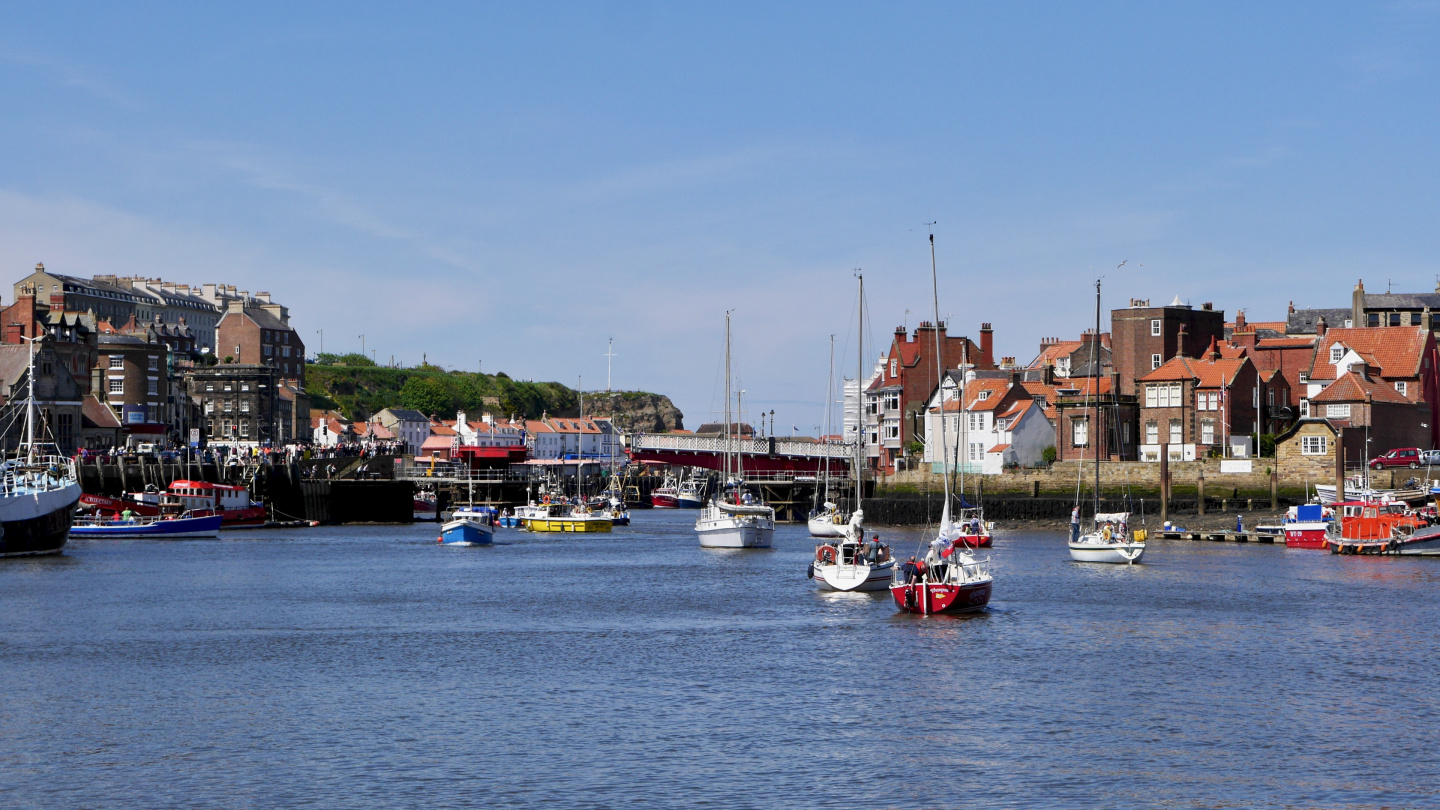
pixel 862 577
pixel 1120 553
pixel 825 526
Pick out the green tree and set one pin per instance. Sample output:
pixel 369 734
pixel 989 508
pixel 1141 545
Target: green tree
pixel 355 359
pixel 428 394
pixel 1049 454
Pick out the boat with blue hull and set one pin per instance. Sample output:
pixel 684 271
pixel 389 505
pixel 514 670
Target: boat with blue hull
pixel 469 526
pixel 158 528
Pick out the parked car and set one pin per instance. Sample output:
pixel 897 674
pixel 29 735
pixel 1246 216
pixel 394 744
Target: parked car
pixel 1399 457
pixel 1430 458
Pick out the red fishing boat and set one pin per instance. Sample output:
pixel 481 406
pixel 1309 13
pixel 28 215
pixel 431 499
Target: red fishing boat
pixel 667 496
pixel 1307 525
pixel 232 503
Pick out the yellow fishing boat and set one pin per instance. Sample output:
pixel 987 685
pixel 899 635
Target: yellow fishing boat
pixel 562 518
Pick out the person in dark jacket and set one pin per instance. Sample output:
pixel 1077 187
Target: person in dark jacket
pixel 912 572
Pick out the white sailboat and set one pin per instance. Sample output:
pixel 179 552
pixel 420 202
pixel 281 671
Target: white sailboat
pixel 849 563
pixel 950 579
pixel 1110 541
pixel 730 519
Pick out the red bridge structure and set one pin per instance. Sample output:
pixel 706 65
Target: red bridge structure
pixel 769 457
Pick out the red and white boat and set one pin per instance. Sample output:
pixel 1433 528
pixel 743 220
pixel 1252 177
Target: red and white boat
pixel 232 503
pixel 425 508
pixel 1307 525
pixel 667 496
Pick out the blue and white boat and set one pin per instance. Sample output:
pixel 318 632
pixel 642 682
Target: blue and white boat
pixel 469 526
pixel 160 528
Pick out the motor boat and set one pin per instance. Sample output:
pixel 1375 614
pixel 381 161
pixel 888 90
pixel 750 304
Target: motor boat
pixel 469 526
pixel 159 527
pixel 1307 525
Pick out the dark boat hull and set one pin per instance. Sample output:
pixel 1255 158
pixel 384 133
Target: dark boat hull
pixel 43 534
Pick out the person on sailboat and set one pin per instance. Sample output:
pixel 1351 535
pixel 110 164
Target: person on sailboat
pixel 1075 523
pixel 911 570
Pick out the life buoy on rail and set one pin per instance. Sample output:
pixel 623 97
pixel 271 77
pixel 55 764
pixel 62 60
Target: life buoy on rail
pixel 827 555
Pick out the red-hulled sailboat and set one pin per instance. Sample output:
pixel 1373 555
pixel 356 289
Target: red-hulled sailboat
pixel 950 579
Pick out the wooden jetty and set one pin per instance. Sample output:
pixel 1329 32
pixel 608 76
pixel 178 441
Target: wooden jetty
pixel 1222 536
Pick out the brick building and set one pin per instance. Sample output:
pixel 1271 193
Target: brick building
pixel 896 399
pixel 1089 410
pixel 1199 406
pixel 239 403
pixel 132 379
pixel 1282 361
pixel 1400 357
pixel 1387 418
pixel 1143 337
pixel 255 331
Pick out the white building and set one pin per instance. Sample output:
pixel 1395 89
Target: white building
pixel 999 424
pixel 410 427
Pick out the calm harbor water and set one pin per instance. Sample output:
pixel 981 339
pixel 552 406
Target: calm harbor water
pixel 369 667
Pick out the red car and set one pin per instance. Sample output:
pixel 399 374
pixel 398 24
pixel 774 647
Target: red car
pixel 1399 457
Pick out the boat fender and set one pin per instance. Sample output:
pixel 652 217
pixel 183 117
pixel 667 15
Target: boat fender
pixel 810 571
pixel 440 539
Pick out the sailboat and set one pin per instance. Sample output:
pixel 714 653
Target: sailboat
pixel 849 564
pixel 1110 541
pixel 827 520
pixel 950 579
pixel 731 519
pixel 37 501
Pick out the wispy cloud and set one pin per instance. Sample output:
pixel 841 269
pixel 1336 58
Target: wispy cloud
pixel 67 73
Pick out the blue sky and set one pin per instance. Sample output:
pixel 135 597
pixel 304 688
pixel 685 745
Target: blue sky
pixel 515 183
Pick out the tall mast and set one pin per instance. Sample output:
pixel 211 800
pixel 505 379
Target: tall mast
pixel 859 393
pixel 829 400
pixel 728 448
pixel 30 406
pixel 940 373
pixel 1094 369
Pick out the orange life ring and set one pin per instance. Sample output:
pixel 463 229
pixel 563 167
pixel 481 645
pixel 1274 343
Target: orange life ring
pixel 827 555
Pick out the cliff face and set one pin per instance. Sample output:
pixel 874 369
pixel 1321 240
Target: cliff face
pixel 636 411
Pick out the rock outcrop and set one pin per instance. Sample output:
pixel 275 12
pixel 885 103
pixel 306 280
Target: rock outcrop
pixel 636 411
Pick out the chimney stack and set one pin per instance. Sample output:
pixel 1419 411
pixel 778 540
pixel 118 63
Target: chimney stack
pixel 987 345
pixel 1320 326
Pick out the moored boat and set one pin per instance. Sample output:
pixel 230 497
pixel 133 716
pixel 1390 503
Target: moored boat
pixel 425 509
pixel 691 494
pixel 559 517
pixel 38 490
pixel 1307 526
pixel 159 527
pixel 667 495
pixel 827 522
pixel 232 503
pixel 733 518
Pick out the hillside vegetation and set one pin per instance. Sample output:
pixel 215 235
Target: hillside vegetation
pixel 358 388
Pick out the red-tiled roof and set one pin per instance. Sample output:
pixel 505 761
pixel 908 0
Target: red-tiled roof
pixel 1083 386
pixel 1353 388
pixel 1397 350
pixel 1208 373
pixel 999 448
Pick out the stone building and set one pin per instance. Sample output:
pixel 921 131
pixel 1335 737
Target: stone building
pixel 239 403
pixel 103 300
pixel 1307 450
pixel 59 397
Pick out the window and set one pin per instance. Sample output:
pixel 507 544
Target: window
pixel 1336 352
pixel 1313 445
pixel 1270 395
pixel 894 367
pixel 229 406
pixel 152 413
pixel 1155 362
pixel 227 386
pixel 154 388
pixel 265 349
pixel 874 437
pixel 244 386
pixel 892 401
pixel 984 395
pixel 209 386
pixel 1304 409
pixel 209 408
pixel 1080 432
pixel 1125 433
pixel 1338 411
pixel 117 361
pixel 1414 319
pixel 1155 328
pixel 1400 387
pixel 1152 433
pixel 117 385
pixel 892 431
pixel 1372 318
pixel 1207 431
pixel 244 406
pixel 1394 319
pixel 244 428
pixel 1177 432
pixel 1151 396
pixel 154 363
pixel 285 351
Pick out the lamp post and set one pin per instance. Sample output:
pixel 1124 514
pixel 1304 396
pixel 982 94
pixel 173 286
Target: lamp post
pixel 321 333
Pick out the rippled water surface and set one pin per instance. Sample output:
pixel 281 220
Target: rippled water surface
pixel 369 667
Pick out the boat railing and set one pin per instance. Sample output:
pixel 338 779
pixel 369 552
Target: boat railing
pixel 41 474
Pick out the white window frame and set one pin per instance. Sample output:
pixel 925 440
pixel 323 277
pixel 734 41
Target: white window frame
pixel 1314 445
pixel 117 385
pixel 1177 431
pixel 117 361
pixel 1400 387
pixel 1155 327
pixel 1156 361
pixel 1337 411
pixel 1337 353
pixel 1080 431
pixel 1207 431
pixel 1152 432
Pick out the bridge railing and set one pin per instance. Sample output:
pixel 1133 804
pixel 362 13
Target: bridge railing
pixel 748 446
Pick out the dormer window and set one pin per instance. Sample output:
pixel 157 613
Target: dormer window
pixel 1336 352
pixel 984 395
